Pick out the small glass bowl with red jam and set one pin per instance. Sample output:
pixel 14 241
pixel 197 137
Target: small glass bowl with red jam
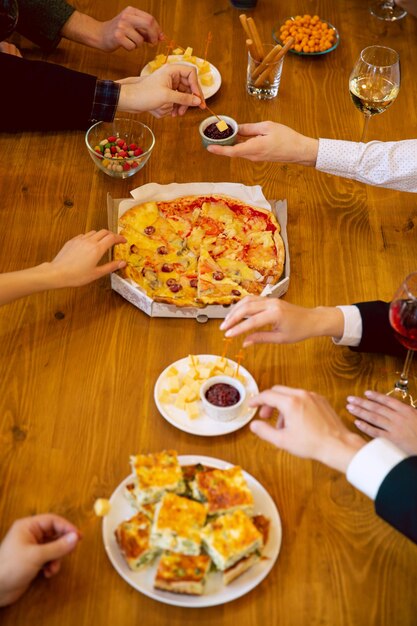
pixel 211 134
pixel 222 397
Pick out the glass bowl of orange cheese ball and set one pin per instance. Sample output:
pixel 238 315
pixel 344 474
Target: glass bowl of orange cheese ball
pixel 312 35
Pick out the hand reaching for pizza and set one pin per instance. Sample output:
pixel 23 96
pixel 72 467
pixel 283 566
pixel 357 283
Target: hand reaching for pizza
pixel 168 91
pixel 268 141
pixel 75 264
pixel 289 323
pixel 33 544
pixel 384 416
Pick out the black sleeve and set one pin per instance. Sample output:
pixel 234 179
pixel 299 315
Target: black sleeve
pixel 43 96
pixel 396 500
pixel 377 333
pixel 41 21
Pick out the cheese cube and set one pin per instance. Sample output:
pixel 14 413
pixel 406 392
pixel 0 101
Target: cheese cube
pixel 193 392
pixel 101 507
pixel 204 371
pixel 207 79
pixel 222 126
pixel 173 384
pixel 180 402
pixel 203 67
pixel 192 409
pixel 165 396
pixel 188 52
pixel 172 371
pixel 178 51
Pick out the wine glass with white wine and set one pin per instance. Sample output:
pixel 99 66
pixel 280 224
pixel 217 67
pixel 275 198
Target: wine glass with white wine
pixel 374 82
pixel 387 10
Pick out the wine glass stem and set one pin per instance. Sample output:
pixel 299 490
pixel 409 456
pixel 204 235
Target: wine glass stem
pixel 365 127
pixel 402 383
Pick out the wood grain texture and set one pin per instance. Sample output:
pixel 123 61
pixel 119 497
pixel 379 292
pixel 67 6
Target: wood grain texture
pixel 78 366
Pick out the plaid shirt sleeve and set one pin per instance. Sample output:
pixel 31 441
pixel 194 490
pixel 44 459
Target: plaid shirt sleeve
pixel 106 98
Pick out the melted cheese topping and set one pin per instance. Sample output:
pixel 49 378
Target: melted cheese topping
pixel 156 470
pixel 133 536
pixel 230 537
pixel 181 516
pixel 180 567
pixel 224 489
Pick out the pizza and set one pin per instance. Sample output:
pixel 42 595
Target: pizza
pixel 200 250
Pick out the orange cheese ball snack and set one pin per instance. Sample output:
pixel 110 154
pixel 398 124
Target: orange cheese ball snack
pixel 309 32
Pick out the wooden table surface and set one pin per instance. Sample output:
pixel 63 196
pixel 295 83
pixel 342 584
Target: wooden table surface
pixel 78 366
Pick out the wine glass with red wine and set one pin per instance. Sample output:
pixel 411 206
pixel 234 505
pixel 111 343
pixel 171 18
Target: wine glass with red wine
pixel 403 319
pixel 9 13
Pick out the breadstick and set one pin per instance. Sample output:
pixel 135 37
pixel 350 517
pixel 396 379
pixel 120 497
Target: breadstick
pixel 269 57
pixel 281 53
pixel 251 48
pixel 256 38
pixel 284 50
pixel 244 22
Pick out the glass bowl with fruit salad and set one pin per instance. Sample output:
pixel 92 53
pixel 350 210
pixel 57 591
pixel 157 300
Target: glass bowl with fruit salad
pixel 120 148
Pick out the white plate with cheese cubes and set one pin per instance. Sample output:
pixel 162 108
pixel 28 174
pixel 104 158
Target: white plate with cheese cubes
pixel 209 81
pixel 215 591
pixel 177 394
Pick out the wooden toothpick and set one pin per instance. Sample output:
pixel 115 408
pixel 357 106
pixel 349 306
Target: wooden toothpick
pixel 227 341
pixel 208 42
pixel 239 357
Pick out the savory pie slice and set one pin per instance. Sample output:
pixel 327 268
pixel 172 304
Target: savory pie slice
pixel 133 538
pixel 231 537
pixel 224 490
pixel 177 524
pixel 181 573
pixel 156 474
pixel 262 523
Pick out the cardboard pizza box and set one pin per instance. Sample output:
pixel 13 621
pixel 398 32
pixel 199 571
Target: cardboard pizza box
pixel 153 191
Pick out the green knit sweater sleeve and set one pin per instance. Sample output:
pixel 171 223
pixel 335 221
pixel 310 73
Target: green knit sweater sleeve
pixel 41 21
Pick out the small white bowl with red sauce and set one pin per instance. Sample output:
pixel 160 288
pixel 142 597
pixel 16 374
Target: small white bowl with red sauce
pixel 214 136
pixel 222 397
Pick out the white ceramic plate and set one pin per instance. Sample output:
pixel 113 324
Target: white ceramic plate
pixel 207 91
pixel 215 592
pixel 204 425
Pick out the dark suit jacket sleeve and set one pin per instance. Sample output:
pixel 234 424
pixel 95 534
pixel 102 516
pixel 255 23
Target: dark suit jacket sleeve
pixel 41 21
pixel 43 96
pixel 377 334
pixel 396 500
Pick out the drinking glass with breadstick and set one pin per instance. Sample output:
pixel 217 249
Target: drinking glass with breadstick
pixel 264 62
pixel 264 76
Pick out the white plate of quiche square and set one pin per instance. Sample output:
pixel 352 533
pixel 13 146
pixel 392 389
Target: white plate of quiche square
pixel 186 411
pixel 191 531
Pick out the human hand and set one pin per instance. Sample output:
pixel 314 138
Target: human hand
pixel 168 91
pixel 33 544
pixel 76 263
pixel 269 141
pixel 290 323
pixel 129 29
pixel 384 416
pixel 307 426
pixel 9 48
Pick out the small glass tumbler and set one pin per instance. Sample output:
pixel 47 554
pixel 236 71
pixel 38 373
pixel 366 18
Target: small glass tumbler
pixel 263 79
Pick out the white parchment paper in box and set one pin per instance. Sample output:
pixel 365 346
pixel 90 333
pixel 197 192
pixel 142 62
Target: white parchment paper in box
pixel 156 192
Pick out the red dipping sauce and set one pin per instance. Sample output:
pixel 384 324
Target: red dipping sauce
pixel 222 394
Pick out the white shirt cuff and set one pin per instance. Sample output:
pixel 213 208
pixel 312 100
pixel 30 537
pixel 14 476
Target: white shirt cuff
pixel 371 464
pixel 352 332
